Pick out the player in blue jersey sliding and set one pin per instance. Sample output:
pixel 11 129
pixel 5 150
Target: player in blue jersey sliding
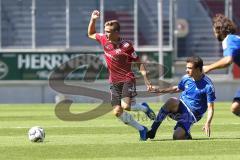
pixel 197 96
pixel 225 31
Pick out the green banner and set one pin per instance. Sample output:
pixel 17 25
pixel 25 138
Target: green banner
pixel 38 66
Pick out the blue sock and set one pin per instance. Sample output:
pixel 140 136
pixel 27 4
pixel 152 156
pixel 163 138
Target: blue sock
pixel 162 114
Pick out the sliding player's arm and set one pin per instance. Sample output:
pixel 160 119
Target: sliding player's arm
pixel 210 99
pixel 207 125
pixel 173 89
pixel 91 27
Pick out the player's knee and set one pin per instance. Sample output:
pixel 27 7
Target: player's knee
pixel 171 103
pixel 179 134
pixel 117 111
pixel 125 105
pixel 235 109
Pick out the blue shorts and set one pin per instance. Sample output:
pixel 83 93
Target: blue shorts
pixel 184 117
pixel 237 95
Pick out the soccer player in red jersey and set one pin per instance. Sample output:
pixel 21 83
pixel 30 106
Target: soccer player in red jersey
pixel 119 55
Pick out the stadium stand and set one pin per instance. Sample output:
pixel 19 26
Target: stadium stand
pixel 51 23
pixel 148 23
pixel 213 6
pixel 79 17
pixel 236 13
pixel 16 23
pixel 200 40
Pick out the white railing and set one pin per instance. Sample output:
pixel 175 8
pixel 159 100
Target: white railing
pixel 33 24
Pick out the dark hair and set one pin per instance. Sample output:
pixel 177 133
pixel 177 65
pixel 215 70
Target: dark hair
pixel 114 23
pixel 223 26
pixel 196 61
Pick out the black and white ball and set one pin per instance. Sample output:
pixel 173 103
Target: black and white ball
pixel 36 134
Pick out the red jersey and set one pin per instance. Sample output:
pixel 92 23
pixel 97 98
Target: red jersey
pixel 119 58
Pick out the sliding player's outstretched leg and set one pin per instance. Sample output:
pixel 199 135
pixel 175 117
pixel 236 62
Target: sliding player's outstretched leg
pixel 160 117
pixel 170 106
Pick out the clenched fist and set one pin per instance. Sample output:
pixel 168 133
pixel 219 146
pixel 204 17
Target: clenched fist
pixel 95 15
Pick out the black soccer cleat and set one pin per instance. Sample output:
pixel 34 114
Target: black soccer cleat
pixel 188 136
pixel 151 134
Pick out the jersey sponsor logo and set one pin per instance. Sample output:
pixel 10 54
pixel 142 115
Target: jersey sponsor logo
pixel 110 56
pixel 108 47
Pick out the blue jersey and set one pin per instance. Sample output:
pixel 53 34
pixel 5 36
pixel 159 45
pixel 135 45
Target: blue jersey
pixel 231 47
pixel 197 94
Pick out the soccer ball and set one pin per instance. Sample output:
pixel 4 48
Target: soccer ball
pixel 36 134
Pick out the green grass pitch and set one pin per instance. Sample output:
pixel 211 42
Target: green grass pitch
pixel 107 138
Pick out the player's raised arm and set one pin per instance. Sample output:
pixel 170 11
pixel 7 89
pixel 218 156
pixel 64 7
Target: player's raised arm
pixel 207 126
pixel 222 63
pixel 91 27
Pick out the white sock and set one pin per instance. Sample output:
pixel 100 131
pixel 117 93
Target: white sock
pixel 138 107
pixel 128 119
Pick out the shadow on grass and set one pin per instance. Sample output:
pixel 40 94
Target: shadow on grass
pixel 223 138
pixel 197 139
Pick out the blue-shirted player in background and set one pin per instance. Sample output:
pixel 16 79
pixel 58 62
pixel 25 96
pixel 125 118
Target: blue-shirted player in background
pixel 197 96
pixel 224 30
